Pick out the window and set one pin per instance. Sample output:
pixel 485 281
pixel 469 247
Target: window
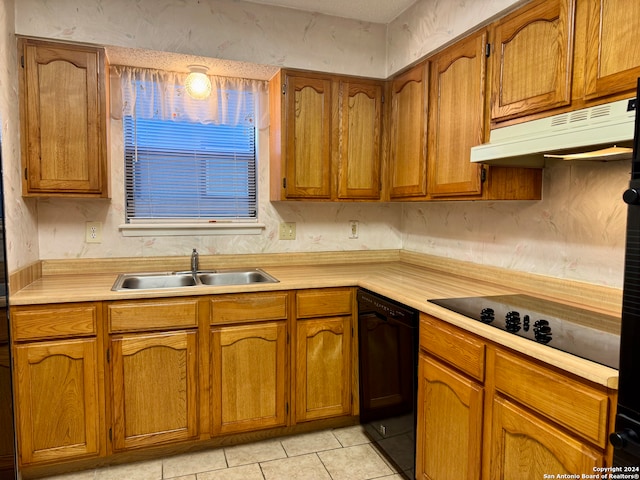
pixel 183 166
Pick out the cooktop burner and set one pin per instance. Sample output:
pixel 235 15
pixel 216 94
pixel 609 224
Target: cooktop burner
pixel 587 334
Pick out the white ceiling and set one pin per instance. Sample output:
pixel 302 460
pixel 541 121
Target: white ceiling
pixel 377 11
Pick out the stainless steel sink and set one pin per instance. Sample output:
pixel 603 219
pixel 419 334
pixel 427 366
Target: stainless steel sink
pixel 236 277
pixel 148 281
pixel 144 281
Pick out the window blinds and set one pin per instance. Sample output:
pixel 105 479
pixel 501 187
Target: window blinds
pixel 183 170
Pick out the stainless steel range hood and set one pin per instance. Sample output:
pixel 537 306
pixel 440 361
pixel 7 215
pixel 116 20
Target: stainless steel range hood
pixel 594 128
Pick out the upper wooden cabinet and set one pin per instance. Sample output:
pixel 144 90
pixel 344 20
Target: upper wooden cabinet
pixel 63 111
pixel 325 136
pixel 532 59
pixel 408 136
pixel 612 57
pixel 456 117
pixel 360 135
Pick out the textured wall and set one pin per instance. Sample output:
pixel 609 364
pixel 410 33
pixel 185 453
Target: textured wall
pixel 20 216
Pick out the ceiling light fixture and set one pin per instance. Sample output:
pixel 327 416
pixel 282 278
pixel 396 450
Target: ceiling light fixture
pixel 197 84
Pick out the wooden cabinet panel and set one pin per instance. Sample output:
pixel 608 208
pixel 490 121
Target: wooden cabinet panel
pixel 449 440
pixel 63 110
pixel 156 314
pixel 308 137
pixel 323 368
pixel 249 376
pixel 249 307
pixel 453 346
pixel 533 59
pixel 324 302
pixel 525 446
pixel 545 391
pixel 54 321
pixel 612 50
pixel 360 140
pixel 456 117
pixel 57 406
pixel 408 148
pixel 154 387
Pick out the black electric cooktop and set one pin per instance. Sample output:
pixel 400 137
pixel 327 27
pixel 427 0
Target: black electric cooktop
pixel 585 333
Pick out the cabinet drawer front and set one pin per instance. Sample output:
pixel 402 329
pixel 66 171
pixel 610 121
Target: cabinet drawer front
pixel 324 302
pixel 34 323
pixel 578 407
pixel 153 314
pixel 453 346
pixel 249 307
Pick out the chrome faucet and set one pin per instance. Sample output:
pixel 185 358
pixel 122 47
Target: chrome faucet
pixel 195 261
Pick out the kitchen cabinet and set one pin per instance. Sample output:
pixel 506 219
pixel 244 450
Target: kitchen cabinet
pixel 450 409
pixel 63 110
pixel 324 338
pixel 325 136
pixel 57 369
pixel 526 446
pixel 249 361
pixel 612 57
pixel 456 117
pixel 408 133
pixel 154 356
pixel 529 417
pixel 532 59
pixel 360 139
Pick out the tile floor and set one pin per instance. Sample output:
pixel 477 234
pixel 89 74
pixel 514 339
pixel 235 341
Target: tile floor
pixel 337 454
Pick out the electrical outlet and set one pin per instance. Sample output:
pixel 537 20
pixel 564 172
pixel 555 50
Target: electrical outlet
pixel 93 232
pixel 287 231
pixel 353 229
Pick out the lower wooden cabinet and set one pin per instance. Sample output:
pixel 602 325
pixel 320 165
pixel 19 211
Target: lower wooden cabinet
pixel 58 409
pixel 526 446
pixel 323 380
pixel 516 418
pixel 450 412
pixel 154 387
pixel 248 371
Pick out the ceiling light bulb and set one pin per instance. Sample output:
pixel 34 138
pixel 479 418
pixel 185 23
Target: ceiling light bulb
pixel 197 83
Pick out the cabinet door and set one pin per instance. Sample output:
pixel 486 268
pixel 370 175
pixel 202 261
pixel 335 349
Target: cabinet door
pixel 449 430
pixel 527 447
pixel 63 119
pixel 249 376
pixel 456 117
pixel 323 368
pixel 154 385
pixel 532 61
pixel 613 52
pixel 360 136
pixel 308 137
pixel 408 150
pixel 57 400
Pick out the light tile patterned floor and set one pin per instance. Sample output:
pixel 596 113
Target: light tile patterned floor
pixel 338 454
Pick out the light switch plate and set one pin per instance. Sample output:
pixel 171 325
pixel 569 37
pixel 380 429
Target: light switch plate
pixel 287 231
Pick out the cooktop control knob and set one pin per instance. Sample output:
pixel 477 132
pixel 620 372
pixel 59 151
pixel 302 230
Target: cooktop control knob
pixel 512 322
pixel 542 331
pixel 526 321
pixel 487 315
pixel 631 196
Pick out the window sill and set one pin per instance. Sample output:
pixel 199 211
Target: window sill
pixel 180 229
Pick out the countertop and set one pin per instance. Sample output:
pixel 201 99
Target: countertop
pixel 406 283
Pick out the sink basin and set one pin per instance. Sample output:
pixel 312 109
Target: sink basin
pixel 236 277
pixel 142 281
pixel 148 281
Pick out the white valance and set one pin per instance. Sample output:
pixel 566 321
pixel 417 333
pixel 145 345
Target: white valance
pixel 159 94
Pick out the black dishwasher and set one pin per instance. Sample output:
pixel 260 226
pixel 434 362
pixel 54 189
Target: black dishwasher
pixel 388 361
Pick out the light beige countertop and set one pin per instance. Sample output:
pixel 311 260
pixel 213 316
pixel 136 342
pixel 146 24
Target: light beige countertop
pixel 409 283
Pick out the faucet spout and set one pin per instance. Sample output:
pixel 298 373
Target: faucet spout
pixel 195 261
